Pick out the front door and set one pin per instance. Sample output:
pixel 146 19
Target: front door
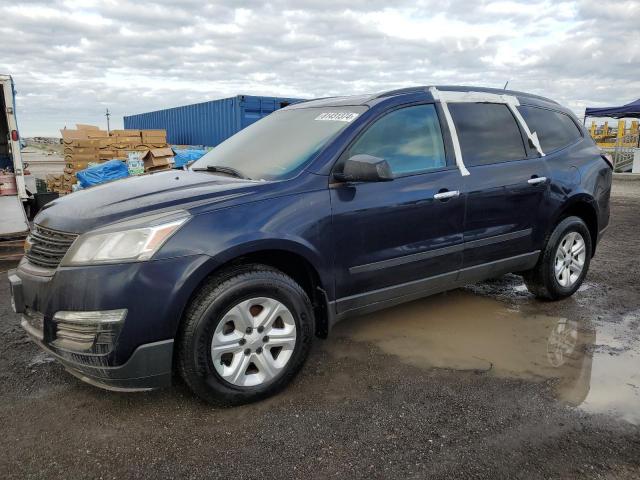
pixel 401 238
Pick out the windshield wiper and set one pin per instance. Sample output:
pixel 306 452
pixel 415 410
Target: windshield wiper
pixel 220 169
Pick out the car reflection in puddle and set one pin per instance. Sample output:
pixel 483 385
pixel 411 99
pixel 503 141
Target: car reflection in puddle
pixel 463 331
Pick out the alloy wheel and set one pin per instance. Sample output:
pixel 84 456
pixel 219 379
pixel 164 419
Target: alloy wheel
pixel 569 259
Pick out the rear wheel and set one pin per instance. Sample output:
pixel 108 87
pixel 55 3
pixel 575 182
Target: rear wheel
pixel 245 335
pixel 564 262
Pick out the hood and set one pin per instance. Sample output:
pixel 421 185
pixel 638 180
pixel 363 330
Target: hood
pixel 136 196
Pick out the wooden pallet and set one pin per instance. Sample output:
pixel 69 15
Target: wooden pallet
pixel 11 249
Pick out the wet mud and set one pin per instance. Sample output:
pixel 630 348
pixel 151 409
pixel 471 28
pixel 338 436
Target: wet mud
pixel 594 367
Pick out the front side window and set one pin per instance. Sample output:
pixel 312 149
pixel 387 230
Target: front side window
pixel 488 133
pixel 281 144
pixel 409 139
pixel 555 130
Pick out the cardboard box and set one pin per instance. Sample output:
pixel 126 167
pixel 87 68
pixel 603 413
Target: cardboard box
pixel 108 154
pixel 158 168
pixel 69 136
pixel 89 142
pixel 80 165
pixel 97 134
pixel 82 157
pixel 160 132
pixel 81 126
pixel 157 162
pixel 154 140
pixel 158 157
pixel 125 133
pixel 81 150
pixel 127 140
pixel 154 134
pixel 119 146
pixel 150 146
pixel 69 179
pixel 161 152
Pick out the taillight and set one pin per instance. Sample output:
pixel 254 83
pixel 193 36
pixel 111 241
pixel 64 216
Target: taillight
pixel 607 158
pixel 14 135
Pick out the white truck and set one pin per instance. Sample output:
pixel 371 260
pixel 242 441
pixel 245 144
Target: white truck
pixel 14 222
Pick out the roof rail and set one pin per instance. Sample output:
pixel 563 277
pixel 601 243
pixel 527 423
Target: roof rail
pixel 312 100
pixel 399 91
pixel 462 88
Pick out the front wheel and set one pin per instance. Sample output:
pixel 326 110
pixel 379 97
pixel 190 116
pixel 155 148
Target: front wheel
pixel 564 262
pixel 245 335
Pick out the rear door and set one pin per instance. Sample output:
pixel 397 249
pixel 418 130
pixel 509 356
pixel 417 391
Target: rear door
pixel 396 238
pixel 507 185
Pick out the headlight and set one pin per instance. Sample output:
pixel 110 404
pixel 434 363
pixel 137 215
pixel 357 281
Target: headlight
pixel 112 246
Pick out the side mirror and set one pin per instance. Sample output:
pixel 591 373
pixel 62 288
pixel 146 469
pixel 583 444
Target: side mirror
pixel 365 168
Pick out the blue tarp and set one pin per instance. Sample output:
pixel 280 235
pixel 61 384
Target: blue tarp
pixel 630 110
pixel 184 156
pixel 105 172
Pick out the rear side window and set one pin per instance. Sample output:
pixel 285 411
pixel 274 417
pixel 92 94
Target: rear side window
pixel 555 130
pixel 409 139
pixel 488 133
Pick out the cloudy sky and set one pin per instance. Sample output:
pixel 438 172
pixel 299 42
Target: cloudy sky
pixel 71 59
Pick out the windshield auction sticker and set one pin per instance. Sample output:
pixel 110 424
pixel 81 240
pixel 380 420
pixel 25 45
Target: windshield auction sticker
pixel 338 116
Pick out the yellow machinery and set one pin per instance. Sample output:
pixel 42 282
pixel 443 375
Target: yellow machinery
pixel 606 137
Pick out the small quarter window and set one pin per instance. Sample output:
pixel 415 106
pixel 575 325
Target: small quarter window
pixel 409 139
pixel 488 133
pixel 555 130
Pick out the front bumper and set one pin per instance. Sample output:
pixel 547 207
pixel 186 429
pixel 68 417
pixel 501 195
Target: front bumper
pixel 154 294
pixel 149 367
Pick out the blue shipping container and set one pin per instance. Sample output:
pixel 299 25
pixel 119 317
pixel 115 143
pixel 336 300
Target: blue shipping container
pixel 208 123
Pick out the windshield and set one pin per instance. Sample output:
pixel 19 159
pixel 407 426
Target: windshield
pixel 281 144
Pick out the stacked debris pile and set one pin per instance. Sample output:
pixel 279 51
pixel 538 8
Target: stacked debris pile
pixel 87 146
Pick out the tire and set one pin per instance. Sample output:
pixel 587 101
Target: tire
pixel 239 296
pixel 542 280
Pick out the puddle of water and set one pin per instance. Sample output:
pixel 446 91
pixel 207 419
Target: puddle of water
pixel 463 331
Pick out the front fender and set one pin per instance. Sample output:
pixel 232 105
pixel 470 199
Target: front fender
pixel 299 224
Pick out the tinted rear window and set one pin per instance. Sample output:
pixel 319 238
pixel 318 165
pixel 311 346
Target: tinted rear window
pixel 488 133
pixel 555 130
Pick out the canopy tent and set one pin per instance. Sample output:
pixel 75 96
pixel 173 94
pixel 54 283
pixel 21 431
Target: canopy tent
pixel 630 110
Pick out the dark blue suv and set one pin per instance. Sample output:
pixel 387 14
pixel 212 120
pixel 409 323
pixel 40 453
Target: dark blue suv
pixel 225 272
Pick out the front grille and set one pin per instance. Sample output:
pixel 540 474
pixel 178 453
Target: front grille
pixel 47 247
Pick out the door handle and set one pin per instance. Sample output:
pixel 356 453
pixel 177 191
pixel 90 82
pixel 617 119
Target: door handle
pixel 447 195
pixel 536 180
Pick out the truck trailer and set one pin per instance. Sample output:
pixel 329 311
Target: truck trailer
pixel 15 199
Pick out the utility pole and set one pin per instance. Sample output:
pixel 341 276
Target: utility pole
pixel 108 115
pixel 505 85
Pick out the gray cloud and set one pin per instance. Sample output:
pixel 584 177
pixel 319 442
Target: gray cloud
pixel 71 61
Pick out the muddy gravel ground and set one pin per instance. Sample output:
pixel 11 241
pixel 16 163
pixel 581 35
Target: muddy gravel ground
pixel 482 382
